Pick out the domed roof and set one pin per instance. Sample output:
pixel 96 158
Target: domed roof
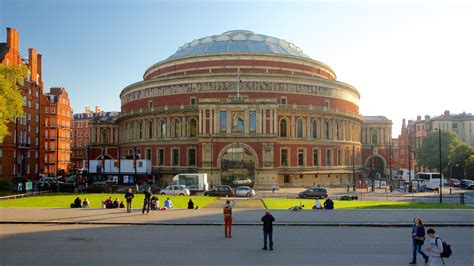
pixel 238 41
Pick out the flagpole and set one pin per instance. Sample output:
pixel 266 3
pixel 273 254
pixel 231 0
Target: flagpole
pixel 238 83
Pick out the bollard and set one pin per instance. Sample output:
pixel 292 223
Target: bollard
pixel 450 191
pixel 461 198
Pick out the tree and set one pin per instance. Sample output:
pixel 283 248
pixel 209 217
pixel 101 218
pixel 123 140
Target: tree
pixel 460 153
pixel 11 104
pixel 428 153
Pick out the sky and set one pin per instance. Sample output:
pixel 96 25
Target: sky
pixel 406 58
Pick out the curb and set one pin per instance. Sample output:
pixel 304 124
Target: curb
pixel 243 224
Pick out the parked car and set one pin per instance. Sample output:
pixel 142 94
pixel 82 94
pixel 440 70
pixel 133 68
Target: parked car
pixel 180 190
pixel 244 191
pixel 464 183
pixel 470 184
pixel 242 182
pixel 314 192
pixel 45 181
pixel 454 182
pixel 220 191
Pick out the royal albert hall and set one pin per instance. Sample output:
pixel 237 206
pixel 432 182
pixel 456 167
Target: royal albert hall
pixel 243 107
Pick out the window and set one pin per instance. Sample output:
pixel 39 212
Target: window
pixel 327 129
pixel 148 154
pixel 328 157
pixel 339 157
pixel 140 131
pixel 374 136
pixel 283 129
pixel 327 104
pixel 314 129
pixel 177 128
pixel 1 153
pixel 283 100
pixel 284 157
pixel 223 121
pixel 36 168
pixel 175 157
pixel 192 128
pixel 300 157
pixel 1 170
pixel 299 128
pixel 337 131
pixel 315 157
pixel 162 129
pixel 253 122
pixel 161 157
pixel 192 101
pixel 150 129
pixel 192 157
pixel 150 104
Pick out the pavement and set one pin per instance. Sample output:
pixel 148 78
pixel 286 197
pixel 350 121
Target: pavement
pixel 213 216
pixel 33 244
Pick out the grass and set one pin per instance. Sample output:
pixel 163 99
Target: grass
pixel 284 204
pixel 63 200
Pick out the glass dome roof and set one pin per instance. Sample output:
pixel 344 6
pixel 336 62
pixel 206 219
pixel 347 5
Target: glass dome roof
pixel 238 41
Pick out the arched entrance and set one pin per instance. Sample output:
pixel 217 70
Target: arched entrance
pixel 237 163
pixel 379 166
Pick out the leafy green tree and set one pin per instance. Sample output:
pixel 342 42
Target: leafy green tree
pixel 11 105
pixel 460 154
pixel 428 153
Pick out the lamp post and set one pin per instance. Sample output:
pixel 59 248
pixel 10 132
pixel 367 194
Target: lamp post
pixel 353 168
pixel 212 159
pixel 440 169
pixel 409 168
pixel 390 174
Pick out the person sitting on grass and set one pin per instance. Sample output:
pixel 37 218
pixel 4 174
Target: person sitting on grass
pixel 297 207
pixel 77 203
pixel 121 205
pixel 168 204
pixel 116 203
pixel 109 204
pixel 190 204
pixel 85 204
pixel 317 206
pixel 155 203
pixel 329 204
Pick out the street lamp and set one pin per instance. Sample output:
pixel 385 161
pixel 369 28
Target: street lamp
pixel 390 174
pixel 409 168
pixel 440 169
pixel 353 167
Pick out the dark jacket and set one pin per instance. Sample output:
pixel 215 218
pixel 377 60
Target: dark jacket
pixel 77 203
pixel 190 205
pixel 147 195
pixel 419 231
pixel 268 220
pixel 129 196
pixel 328 204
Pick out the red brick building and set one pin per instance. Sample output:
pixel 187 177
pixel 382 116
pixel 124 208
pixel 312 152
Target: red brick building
pixel 20 153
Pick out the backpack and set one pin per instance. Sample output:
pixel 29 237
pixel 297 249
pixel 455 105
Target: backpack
pixel 227 211
pixel 446 248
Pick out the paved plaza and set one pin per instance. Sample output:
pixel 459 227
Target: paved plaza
pixel 206 245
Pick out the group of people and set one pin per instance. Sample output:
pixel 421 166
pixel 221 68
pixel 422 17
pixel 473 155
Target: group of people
pixel 149 202
pixel 80 204
pixel 435 247
pixel 328 204
pixel 109 204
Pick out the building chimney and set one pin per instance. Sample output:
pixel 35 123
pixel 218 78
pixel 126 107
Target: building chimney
pixel 427 117
pixel 10 38
pixel 446 113
pixel 33 63
pixel 418 118
pixel 97 109
pixel 88 110
pixel 40 69
pixel 404 123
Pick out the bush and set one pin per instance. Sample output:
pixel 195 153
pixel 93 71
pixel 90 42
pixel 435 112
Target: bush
pixel 346 197
pixel 97 189
pixel 6 185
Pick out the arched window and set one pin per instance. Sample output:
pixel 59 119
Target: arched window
pixel 374 136
pixel 177 128
pixel 132 131
pixel 150 129
pixel 314 129
pixel 105 136
pixel 162 129
pixel 140 130
pixel 192 128
pixel 327 129
pixel 299 128
pixel 283 128
pixel 337 131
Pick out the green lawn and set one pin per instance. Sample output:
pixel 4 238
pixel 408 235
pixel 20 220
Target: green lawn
pixel 64 200
pixel 283 204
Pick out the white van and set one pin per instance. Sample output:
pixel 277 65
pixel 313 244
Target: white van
pixel 431 180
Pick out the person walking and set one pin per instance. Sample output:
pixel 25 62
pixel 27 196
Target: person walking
pixel 129 196
pixel 228 218
pixel 268 220
pixel 435 248
pixel 418 239
pixel 273 188
pixel 146 202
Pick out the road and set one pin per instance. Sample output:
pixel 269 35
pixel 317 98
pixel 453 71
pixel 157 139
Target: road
pixel 206 245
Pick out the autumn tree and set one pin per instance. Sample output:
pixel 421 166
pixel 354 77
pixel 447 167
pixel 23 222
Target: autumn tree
pixel 11 105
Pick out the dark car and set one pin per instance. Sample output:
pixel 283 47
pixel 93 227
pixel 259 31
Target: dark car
pixel 220 191
pixel 464 183
pixel 314 192
pixel 470 184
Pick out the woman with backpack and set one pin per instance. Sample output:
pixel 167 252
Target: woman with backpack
pixel 418 239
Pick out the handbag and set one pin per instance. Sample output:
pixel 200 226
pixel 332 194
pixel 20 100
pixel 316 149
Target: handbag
pixel 419 240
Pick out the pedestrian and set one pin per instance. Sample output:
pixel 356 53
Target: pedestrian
pixel 228 218
pixel 435 248
pixel 273 188
pixel 146 202
pixel 190 204
pixel 129 196
pixel 418 239
pixel 268 220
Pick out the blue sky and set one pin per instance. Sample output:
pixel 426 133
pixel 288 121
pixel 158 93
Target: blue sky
pixel 406 59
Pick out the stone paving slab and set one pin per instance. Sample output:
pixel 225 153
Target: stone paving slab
pixel 240 216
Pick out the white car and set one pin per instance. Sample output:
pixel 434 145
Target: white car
pixel 180 190
pixel 244 191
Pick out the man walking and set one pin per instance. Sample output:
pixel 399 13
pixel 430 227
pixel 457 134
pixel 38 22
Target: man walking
pixel 146 202
pixel 129 196
pixel 228 218
pixel 268 220
pixel 435 248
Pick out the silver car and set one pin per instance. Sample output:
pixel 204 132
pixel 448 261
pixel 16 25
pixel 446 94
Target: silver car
pixel 244 191
pixel 180 190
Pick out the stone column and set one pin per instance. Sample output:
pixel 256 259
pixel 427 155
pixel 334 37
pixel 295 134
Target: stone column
pixel 275 121
pixel 200 122
pixel 292 127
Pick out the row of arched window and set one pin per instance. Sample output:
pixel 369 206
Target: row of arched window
pixel 147 129
pixel 328 129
